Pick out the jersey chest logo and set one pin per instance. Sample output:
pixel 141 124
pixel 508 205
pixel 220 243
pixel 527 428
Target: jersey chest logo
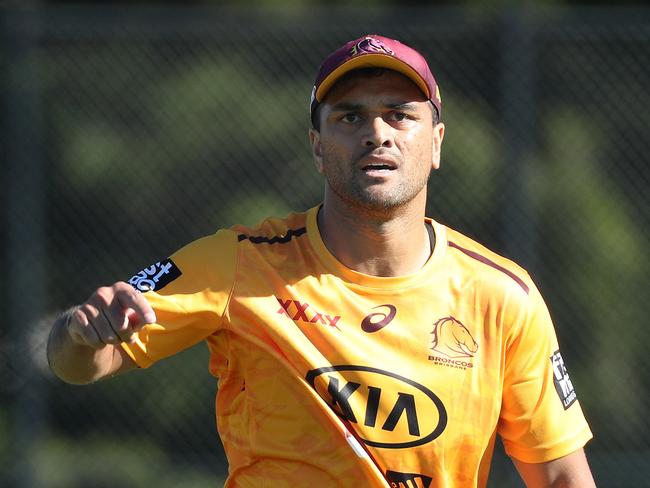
pixel 452 344
pixel 387 410
pixel 378 320
pixel 303 312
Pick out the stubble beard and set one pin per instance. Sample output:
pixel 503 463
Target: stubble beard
pixel 370 200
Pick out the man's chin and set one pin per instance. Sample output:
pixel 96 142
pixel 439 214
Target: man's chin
pixel 379 202
pixel 373 199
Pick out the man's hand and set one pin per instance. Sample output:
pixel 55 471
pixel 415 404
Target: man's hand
pixel 83 346
pixel 111 315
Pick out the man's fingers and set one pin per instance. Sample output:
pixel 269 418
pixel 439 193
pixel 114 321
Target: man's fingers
pixel 129 298
pixel 119 320
pixel 118 303
pixel 81 331
pixel 111 315
pixel 100 323
pixel 118 326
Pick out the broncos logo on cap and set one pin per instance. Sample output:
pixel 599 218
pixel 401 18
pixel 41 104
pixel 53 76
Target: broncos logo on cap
pixel 452 339
pixel 370 45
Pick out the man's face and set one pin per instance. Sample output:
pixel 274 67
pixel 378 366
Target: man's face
pixel 377 143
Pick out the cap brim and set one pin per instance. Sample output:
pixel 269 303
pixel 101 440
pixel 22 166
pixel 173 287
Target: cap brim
pixel 371 61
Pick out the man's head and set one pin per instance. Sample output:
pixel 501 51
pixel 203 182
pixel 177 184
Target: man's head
pixel 374 51
pixel 376 132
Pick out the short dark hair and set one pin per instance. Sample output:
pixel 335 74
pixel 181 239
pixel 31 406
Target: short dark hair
pixel 363 73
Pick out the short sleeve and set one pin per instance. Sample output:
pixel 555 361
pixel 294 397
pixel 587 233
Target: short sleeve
pixel 540 417
pixel 189 292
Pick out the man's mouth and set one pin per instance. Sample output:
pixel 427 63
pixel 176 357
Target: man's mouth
pixel 377 167
pixel 377 164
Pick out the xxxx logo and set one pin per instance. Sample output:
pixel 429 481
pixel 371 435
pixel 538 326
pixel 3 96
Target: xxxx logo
pixel 303 312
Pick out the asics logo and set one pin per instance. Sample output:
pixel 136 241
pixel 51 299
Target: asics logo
pixel 378 320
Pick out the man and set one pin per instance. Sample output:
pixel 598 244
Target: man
pixel 359 343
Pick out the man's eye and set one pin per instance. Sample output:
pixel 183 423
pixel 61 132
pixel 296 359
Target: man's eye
pixel 350 118
pixel 399 116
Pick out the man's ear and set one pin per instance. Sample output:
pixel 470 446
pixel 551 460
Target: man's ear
pixel 316 149
pixel 438 135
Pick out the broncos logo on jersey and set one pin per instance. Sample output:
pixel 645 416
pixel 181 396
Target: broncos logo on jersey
pixel 452 339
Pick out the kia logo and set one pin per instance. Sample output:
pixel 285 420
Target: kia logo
pixel 386 409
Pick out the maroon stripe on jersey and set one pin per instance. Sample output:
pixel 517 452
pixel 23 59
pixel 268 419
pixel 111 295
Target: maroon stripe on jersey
pixel 291 233
pixel 491 263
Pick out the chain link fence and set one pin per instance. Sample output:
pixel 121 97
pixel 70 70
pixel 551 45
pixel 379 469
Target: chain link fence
pixel 127 133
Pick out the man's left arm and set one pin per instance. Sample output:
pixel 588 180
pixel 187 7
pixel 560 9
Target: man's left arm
pixel 570 471
pixel 541 422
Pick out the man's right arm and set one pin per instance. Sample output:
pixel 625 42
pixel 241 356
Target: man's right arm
pixel 83 346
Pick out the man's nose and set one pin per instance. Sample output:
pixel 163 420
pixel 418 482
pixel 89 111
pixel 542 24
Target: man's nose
pixel 378 133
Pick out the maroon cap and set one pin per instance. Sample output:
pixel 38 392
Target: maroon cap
pixel 373 51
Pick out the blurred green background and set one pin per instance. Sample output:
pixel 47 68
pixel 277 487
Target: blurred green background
pixel 128 131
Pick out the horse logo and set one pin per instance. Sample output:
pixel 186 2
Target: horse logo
pixel 452 339
pixel 370 45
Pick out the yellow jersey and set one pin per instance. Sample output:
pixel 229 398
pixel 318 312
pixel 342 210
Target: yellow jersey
pixel 330 377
